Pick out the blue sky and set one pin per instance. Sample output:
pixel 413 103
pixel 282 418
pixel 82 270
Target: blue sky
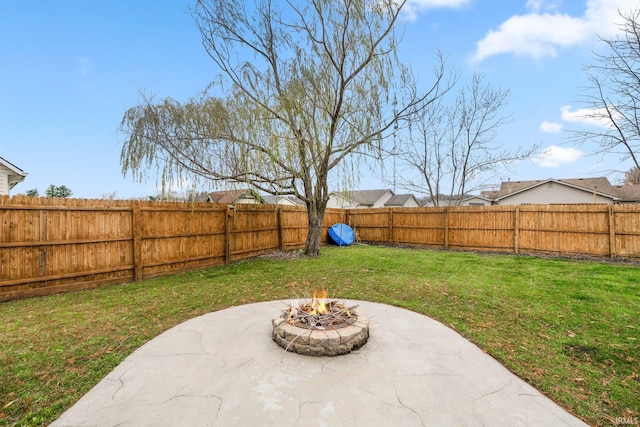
pixel 70 69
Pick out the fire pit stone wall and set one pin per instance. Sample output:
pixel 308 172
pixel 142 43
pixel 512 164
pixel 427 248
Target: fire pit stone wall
pixel 317 342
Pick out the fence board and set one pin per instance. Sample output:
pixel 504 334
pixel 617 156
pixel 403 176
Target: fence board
pixel 482 229
pixel 294 226
pixel 627 230
pixel 370 225
pixel 181 236
pixel 565 229
pixel 418 226
pixel 591 230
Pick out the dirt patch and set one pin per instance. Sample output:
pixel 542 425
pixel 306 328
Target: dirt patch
pixel 283 255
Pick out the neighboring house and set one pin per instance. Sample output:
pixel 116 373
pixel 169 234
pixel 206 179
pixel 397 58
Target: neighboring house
pixel 230 197
pixel 10 176
pixel 629 193
pixel 456 200
pixel 402 201
pixel 339 201
pixel 384 198
pixel 368 198
pixel 283 200
pixel 475 201
pixel 562 191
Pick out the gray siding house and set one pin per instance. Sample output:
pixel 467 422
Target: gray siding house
pixel 340 201
pixel 402 201
pixel 384 198
pixel 563 191
pixel 283 200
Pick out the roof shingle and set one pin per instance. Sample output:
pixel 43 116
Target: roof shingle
pixel 364 197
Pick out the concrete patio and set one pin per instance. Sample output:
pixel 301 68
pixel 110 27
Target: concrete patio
pixel 223 369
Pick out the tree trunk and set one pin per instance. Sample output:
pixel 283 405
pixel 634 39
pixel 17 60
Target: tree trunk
pixel 314 234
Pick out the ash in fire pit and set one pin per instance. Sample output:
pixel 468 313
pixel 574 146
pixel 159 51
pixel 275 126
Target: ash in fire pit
pixel 320 328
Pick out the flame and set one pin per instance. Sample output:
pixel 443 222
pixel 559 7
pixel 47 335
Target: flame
pixel 292 313
pixel 318 305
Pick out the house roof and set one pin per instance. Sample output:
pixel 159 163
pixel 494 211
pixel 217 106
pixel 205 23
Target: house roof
pixel 400 199
pixel 365 197
pixel 231 196
pixel 446 198
pixel 273 199
pixel 628 192
pixel 18 174
pixel 468 197
pixel 599 185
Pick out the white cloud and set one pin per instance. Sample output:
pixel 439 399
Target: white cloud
pixel 412 7
pixel 550 127
pixel 84 64
pixel 555 156
pixel 534 5
pixel 538 34
pixel 538 5
pixel 585 116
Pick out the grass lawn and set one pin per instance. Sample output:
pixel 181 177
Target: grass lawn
pixel 570 328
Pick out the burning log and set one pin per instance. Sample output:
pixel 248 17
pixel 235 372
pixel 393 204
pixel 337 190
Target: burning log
pixel 318 314
pixel 320 328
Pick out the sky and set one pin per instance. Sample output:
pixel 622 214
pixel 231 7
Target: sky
pixel 70 69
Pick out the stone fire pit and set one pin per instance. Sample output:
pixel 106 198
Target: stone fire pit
pixel 320 329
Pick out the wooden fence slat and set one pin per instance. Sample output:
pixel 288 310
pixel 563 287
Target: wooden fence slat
pixel 279 213
pixel 446 228
pixel 612 233
pixel 227 234
pixel 516 230
pixel 136 239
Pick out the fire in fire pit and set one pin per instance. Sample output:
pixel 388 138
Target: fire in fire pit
pixel 320 315
pixel 320 327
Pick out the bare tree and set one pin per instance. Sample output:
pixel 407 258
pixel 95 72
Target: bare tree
pixel 113 195
pixel 632 176
pixel 306 87
pixel 612 98
pixel 453 146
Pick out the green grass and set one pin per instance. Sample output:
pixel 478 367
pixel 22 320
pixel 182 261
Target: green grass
pixel 570 328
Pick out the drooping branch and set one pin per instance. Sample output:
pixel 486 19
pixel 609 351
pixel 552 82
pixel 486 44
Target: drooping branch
pixel 303 87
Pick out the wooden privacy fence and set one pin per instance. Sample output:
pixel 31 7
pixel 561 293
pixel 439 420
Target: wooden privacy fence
pixel 565 230
pixel 56 245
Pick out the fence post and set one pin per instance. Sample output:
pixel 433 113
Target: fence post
pixel 390 227
pixel 446 228
pixel 612 232
pixel 279 219
pixel 136 229
pixel 227 233
pixel 516 230
pixel 351 221
pixel 44 223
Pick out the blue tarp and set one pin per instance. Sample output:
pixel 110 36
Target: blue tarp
pixel 342 234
